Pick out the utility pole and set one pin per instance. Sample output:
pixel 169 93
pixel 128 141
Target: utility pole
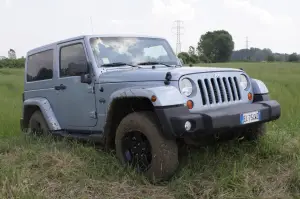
pixel 178 27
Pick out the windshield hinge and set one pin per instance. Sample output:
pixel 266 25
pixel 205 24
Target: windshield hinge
pixel 91 89
pixel 93 114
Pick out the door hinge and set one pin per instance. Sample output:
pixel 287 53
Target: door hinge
pixel 93 114
pixel 92 89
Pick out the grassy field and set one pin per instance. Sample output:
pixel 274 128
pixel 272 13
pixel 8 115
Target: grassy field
pixel 33 167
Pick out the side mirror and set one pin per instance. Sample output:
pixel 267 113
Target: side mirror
pixel 78 69
pixel 86 78
pixel 82 70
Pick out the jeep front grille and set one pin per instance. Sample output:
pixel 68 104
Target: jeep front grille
pixel 219 90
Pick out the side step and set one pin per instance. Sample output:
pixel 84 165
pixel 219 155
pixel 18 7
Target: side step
pixel 91 137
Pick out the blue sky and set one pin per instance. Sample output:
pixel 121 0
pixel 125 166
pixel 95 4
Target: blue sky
pixel 26 24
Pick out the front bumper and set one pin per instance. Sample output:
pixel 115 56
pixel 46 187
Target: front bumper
pixel 173 119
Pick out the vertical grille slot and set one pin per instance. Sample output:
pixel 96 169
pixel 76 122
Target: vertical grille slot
pixel 232 88
pixel 209 92
pixel 226 89
pixel 221 89
pixel 202 92
pixel 237 88
pixel 214 87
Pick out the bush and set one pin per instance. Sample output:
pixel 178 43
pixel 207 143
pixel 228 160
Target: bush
pixel 12 63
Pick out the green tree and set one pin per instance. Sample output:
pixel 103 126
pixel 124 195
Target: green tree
pixel 192 51
pixel 185 57
pixel 270 58
pixel 12 63
pixel 293 57
pixel 193 57
pixel 216 46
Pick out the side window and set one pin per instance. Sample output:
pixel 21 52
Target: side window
pixel 70 56
pixel 40 66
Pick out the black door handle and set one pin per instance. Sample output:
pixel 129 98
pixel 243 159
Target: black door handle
pixel 60 87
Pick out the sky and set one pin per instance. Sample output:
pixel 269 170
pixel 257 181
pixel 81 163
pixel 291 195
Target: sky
pixel 274 24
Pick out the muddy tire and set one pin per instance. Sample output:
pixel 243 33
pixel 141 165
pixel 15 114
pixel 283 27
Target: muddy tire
pixel 139 135
pixel 255 132
pixel 38 124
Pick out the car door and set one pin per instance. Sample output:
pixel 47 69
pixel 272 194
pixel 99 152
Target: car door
pixel 76 100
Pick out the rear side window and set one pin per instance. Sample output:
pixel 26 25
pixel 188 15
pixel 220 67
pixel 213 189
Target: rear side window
pixel 40 66
pixel 72 54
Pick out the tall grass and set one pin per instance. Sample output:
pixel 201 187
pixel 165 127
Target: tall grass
pixel 41 167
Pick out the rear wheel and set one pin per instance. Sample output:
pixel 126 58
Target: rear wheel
pixel 139 143
pixel 38 124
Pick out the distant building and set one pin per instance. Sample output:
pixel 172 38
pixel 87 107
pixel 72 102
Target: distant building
pixel 12 54
pixel 2 57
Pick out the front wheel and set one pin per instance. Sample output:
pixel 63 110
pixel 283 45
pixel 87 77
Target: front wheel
pixel 139 143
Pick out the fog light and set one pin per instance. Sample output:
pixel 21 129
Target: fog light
pixel 187 125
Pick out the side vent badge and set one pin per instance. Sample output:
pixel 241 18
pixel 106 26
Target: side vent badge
pixel 168 78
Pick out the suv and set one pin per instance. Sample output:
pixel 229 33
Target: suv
pixel 132 94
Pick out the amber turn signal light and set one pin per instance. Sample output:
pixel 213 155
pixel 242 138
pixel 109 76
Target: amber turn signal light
pixel 153 98
pixel 190 104
pixel 250 96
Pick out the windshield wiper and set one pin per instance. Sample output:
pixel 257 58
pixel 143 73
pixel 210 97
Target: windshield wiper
pixel 116 64
pixel 153 63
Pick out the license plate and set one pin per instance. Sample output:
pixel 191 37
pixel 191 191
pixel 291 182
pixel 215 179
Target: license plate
pixel 250 117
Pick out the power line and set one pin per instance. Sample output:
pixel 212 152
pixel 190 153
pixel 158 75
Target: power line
pixel 178 27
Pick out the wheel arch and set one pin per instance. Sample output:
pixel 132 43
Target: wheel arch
pixel 119 108
pixel 137 99
pixel 43 105
pixel 259 87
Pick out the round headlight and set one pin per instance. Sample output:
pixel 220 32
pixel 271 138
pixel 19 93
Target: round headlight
pixel 244 82
pixel 186 87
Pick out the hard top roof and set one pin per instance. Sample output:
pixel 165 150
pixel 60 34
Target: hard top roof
pixel 51 45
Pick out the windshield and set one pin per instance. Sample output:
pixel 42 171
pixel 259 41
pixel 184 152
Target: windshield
pixel 132 50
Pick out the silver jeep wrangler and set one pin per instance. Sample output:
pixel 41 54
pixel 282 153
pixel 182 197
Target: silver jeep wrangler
pixel 132 94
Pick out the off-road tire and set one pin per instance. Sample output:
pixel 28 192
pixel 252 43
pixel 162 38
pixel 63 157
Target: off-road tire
pixel 37 124
pixel 255 132
pixel 164 152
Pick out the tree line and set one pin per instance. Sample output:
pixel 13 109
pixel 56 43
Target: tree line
pixel 12 63
pixel 217 46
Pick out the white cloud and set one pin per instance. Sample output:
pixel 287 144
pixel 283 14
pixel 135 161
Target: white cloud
pixel 8 3
pixel 263 15
pixel 116 21
pixel 122 22
pixel 175 9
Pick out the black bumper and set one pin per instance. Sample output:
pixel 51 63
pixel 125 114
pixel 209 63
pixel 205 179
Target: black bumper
pixel 173 119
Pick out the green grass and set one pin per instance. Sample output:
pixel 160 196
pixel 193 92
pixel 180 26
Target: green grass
pixel 32 167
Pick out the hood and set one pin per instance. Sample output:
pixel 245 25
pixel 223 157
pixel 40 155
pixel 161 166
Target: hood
pixel 157 74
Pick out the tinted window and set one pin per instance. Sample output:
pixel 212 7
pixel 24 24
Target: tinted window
pixel 71 55
pixel 40 66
